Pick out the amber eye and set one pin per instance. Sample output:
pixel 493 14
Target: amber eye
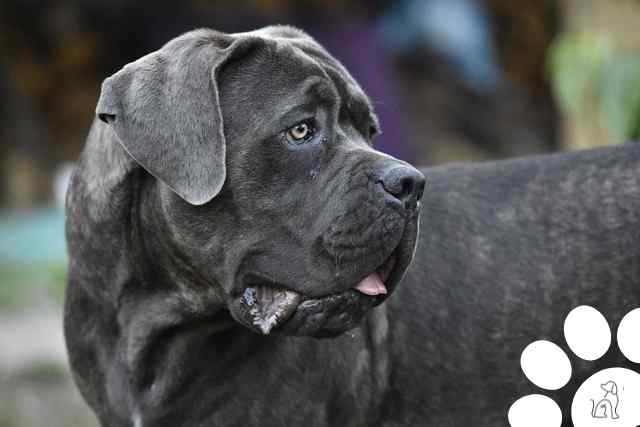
pixel 301 132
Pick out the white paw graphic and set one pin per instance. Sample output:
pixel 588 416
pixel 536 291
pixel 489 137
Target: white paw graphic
pixel 609 398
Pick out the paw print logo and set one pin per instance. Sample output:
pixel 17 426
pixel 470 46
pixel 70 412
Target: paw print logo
pixel 608 398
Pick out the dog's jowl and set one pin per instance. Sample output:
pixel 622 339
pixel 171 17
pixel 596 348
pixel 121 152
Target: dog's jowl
pixel 240 254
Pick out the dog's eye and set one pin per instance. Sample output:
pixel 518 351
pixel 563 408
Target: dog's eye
pixel 301 132
pixel 373 132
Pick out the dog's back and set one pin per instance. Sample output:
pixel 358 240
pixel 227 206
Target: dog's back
pixel 506 250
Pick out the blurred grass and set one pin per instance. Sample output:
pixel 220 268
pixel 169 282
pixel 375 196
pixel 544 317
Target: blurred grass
pixel 52 402
pixel 39 392
pixel 43 372
pixel 21 285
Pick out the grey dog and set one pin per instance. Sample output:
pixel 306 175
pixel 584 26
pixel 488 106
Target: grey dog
pixel 228 211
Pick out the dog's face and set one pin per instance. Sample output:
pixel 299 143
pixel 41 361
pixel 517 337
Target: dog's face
pixel 310 226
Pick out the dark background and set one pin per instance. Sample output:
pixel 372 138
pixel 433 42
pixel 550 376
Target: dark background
pixel 452 80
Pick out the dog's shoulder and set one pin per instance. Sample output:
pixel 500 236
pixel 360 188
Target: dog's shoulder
pixel 98 207
pixel 100 186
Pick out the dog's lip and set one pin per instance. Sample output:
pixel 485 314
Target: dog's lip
pixel 269 305
pixel 375 282
pixel 385 271
pixel 303 320
pixel 328 314
pixel 275 306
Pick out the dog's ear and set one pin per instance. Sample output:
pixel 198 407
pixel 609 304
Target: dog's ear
pixel 165 110
pixel 610 387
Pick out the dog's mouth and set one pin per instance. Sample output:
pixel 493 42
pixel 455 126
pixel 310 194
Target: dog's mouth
pixel 273 307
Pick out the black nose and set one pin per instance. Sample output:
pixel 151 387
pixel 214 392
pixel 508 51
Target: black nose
pixel 405 184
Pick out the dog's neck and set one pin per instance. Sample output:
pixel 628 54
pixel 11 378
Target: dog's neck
pixel 166 301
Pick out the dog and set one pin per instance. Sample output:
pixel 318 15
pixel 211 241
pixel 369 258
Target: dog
pixel 607 407
pixel 240 254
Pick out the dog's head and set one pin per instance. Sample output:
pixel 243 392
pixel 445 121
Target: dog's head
pixel 610 387
pixel 266 182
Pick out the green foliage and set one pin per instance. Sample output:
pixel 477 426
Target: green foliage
pixel 620 96
pixel 575 63
pixel 588 73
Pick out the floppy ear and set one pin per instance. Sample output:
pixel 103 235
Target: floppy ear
pixel 165 110
pixel 610 387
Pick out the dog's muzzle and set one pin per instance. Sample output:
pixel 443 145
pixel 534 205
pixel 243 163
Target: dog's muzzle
pixel 378 244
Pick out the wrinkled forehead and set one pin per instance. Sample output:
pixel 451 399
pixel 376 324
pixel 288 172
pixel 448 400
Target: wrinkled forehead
pixel 354 102
pixel 286 71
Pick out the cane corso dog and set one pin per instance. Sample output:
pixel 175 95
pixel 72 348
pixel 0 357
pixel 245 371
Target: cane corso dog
pixel 240 255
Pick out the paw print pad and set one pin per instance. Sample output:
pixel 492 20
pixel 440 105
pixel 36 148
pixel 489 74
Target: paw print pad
pixel 608 398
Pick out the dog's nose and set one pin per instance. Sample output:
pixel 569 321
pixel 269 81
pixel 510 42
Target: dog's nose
pixel 405 183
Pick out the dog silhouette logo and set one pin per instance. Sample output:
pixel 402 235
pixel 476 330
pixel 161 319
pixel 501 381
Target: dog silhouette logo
pixel 607 407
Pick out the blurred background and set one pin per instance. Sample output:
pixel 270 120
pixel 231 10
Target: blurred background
pixel 452 80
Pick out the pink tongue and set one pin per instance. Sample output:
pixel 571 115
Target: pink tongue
pixel 372 285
